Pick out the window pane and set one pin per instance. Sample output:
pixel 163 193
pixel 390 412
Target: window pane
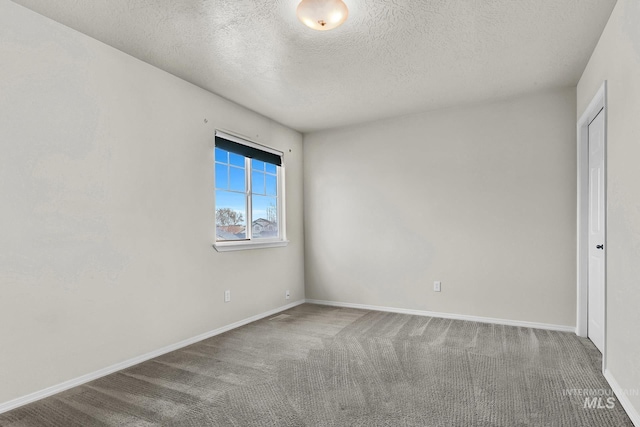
pixel 237 179
pixel 222 156
pixel 265 217
pixel 272 185
pixel 257 165
pixel 231 214
pixel 222 176
pixel 257 182
pixel 236 159
pixel 233 187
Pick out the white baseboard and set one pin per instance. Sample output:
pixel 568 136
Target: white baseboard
pixel 623 398
pixel 49 391
pixel 507 322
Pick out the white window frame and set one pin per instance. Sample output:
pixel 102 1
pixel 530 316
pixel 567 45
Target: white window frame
pixel 249 242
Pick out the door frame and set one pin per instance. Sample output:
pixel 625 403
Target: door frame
pixel 598 103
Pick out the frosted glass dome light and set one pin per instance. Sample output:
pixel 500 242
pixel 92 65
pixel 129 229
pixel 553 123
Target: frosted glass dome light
pixel 322 15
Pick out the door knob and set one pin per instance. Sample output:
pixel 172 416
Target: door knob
pixel 599 246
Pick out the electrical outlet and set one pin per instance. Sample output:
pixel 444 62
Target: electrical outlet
pixel 436 286
pixel 227 296
pixel 287 295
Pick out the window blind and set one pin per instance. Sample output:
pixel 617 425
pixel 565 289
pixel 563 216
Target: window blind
pixel 246 148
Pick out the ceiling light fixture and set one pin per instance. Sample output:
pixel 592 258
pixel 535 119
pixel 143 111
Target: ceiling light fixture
pixel 322 15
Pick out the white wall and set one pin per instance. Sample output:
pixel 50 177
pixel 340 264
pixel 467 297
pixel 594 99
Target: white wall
pixel 106 208
pixel 617 60
pixel 482 198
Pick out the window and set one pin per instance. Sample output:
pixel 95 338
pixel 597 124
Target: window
pixel 248 194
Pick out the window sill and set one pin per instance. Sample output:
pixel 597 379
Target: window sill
pixel 243 246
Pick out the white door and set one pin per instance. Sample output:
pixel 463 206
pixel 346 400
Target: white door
pixel 595 329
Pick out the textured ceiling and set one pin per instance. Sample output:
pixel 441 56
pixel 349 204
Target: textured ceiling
pixel 391 57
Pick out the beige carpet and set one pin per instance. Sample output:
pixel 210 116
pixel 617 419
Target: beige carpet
pixel 323 366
